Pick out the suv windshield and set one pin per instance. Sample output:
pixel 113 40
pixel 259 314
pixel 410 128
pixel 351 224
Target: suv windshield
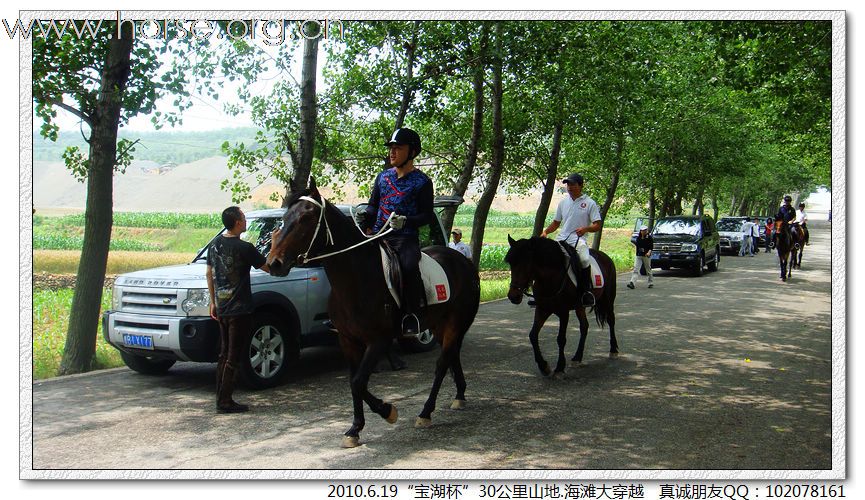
pixel 678 226
pixel 257 232
pixel 730 225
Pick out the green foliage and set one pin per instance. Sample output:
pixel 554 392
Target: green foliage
pixel 170 220
pixel 50 321
pixel 55 242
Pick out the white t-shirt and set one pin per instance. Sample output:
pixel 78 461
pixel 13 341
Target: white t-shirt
pixel 462 248
pixel 573 214
pixel 801 217
pixel 746 228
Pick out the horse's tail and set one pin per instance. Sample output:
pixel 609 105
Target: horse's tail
pixel 604 306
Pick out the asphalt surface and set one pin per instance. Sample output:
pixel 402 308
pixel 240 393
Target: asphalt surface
pixel 715 372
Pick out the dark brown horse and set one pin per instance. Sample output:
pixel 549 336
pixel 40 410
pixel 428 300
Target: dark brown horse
pixel 362 308
pixel 785 246
pixel 799 240
pixel 540 264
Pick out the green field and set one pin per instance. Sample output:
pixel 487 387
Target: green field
pixel 144 241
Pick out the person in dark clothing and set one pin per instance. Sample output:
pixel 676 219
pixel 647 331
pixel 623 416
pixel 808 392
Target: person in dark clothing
pixel 786 214
pixel 643 259
pixel 229 260
pixel 403 195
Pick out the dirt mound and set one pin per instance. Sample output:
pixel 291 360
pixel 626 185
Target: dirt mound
pixel 48 281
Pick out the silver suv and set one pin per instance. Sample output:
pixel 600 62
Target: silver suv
pixel 161 316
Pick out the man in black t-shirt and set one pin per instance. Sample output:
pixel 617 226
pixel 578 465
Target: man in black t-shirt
pixel 229 260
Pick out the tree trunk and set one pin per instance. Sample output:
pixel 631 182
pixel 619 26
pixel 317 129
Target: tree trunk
pixel 80 345
pixel 614 184
pixel 465 176
pixel 715 206
pixel 652 207
pixel 698 203
pixel 408 87
pixel 498 153
pixel 550 183
pixel 308 119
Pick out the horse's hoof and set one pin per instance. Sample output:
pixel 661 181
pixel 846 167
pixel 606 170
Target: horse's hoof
pixel 558 375
pixel 350 441
pixel 458 404
pixel 614 355
pixel 422 423
pixel 394 415
pixel 577 364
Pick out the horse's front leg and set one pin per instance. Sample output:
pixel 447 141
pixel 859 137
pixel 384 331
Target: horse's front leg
pixel 561 340
pixel 359 391
pixel 353 352
pixel 541 316
pixel 584 331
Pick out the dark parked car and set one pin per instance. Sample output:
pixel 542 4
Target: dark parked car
pixel 686 241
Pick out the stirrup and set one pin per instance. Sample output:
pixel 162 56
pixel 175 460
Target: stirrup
pixel 588 299
pixel 407 330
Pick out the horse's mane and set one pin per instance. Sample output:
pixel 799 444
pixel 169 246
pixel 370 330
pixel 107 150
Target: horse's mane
pixel 542 251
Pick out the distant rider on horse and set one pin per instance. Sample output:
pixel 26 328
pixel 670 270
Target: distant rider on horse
pixel 802 221
pixel 786 215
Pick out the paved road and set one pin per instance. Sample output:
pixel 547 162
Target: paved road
pixel 715 373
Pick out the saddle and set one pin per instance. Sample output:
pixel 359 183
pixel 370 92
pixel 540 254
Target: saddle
pixel 437 289
pixel 571 256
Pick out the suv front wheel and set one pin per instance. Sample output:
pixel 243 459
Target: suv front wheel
pixel 698 270
pixel 713 266
pixel 270 353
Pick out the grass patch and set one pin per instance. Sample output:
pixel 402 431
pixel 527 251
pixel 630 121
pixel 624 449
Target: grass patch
pixel 66 261
pixel 494 289
pixel 51 310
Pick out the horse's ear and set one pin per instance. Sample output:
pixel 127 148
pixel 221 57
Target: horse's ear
pixel 312 186
pixel 510 240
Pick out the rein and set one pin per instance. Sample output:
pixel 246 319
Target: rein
pixel 304 257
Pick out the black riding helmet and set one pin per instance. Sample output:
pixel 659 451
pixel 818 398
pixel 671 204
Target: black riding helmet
pixel 788 198
pixel 406 136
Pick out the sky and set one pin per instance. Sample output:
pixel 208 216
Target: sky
pixel 13 191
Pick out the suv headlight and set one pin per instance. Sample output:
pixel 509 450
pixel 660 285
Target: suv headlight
pixel 197 302
pixel 116 296
pixel 689 247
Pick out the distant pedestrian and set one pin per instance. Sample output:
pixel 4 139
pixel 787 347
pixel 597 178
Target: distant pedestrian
pixel 458 245
pixel 745 230
pixel 643 258
pixel 229 260
pixel 770 231
pixel 755 236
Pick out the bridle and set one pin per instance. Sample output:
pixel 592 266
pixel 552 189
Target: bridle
pixel 304 257
pixel 524 289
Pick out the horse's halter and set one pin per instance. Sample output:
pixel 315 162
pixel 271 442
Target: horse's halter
pixel 304 257
pixel 524 289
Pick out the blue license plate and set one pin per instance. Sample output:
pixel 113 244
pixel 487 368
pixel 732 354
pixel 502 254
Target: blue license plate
pixel 139 341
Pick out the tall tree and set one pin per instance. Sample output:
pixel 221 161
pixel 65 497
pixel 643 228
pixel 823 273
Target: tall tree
pixel 498 148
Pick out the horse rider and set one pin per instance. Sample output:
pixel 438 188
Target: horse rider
pixel 577 214
pixel 786 214
pixel 404 194
pixel 802 220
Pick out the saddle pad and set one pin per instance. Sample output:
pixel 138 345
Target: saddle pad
pixel 435 281
pixel 597 276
